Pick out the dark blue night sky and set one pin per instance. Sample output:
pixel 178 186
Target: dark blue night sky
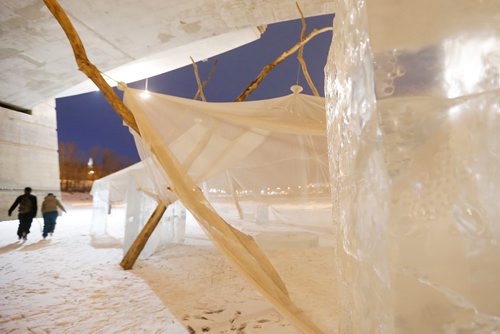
pixel 88 120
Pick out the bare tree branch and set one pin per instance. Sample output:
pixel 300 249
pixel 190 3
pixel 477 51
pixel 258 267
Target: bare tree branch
pixel 300 56
pixel 210 75
pixel 277 61
pixel 198 81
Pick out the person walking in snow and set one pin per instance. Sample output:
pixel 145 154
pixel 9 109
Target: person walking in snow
pixel 49 211
pixel 27 211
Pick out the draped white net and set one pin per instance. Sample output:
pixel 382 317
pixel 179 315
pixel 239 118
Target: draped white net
pixel 254 175
pixel 413 126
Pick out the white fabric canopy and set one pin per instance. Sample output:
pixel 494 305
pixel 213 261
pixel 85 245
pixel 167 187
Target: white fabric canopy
pixel 266 152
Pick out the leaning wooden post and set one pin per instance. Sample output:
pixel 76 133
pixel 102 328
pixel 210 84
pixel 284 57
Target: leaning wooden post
pixel 133 252
pixel 94 74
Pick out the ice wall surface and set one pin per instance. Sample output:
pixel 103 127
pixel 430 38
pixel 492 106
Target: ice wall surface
pixel 413 104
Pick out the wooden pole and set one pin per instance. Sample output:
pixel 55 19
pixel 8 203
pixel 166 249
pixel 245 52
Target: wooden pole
pixel 300 56
pixel 204 83
pixel 133 252
pixel 198 80
pixel 94 74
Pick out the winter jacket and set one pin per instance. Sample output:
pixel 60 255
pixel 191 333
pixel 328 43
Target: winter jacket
pixel 51 203
pixel 27 205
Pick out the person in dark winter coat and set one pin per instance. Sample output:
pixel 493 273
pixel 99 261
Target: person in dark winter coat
pixel 49 211
pixel 27 211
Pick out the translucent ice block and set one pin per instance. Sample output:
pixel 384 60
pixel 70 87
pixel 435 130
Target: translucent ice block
pixel 413 104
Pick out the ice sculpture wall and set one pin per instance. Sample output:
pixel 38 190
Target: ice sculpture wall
pixel 413 104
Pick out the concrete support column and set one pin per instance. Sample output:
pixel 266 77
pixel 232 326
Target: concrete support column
pixel 29 154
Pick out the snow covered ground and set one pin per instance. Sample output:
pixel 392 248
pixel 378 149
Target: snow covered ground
pixel 72 284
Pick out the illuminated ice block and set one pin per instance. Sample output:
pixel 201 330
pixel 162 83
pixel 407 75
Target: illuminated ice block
pixel 413 108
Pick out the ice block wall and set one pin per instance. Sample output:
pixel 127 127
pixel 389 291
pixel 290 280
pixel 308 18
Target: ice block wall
pixel 413 103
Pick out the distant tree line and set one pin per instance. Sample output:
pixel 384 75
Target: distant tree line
pixel 77 175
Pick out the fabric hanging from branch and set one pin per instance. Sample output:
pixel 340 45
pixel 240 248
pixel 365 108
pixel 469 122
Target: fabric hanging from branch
pixel 274 144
